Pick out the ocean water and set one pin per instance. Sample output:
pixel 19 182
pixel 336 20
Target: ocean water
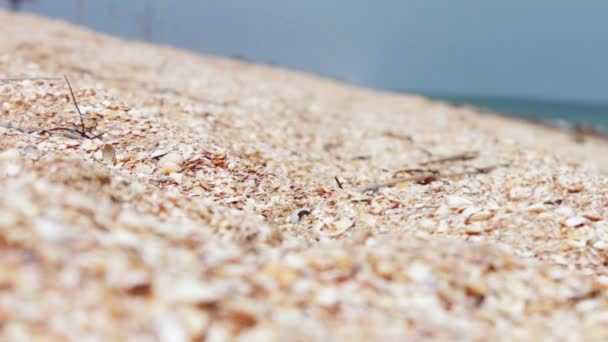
pixel 584 114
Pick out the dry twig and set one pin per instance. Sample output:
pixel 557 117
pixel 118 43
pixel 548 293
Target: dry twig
pixel 81 131
pixel 338 182
pixel 469 155
pixel 82 127
pixel 415 170
pixel 427 178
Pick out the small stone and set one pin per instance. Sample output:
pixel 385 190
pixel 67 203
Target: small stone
pixel 170 330
pixel 519 193
pixel 328 297
pixel 9 155
pixel 428 224
pixel 191 291
pixel 457 202
pixel 576 221
pixel 565 211
pixel 601 245
pixel 420 273
pixel 53 232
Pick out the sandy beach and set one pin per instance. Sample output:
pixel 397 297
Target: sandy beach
pixel 206 198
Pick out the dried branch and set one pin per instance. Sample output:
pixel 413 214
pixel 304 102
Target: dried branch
pixel 427 178
pixel 469 155
pixel 338 182
pixel 80 131
pixel 82 126
pixel 399 172
pixel 394 135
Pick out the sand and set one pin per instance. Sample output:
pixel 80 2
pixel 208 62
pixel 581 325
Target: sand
pixel 227 201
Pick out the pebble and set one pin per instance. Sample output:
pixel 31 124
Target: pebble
pixel 576 221
pixel 9 155
pixel 457 202
pixel 565 211
pixel 52 231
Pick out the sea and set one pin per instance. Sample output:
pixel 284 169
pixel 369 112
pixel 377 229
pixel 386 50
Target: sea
pixel 550 111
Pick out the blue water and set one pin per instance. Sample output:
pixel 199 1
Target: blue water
pixel 586 114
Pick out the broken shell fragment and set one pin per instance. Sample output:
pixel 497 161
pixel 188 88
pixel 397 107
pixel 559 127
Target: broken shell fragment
pixel 456 202
pixel 297 215
pixel 159 153
pixel 108 154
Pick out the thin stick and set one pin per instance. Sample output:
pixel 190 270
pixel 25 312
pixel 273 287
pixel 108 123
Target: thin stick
pixel 431 171
pixel 79 132
pixel 398 136
pixel 82 126
pixel 469 155
pixel 338 182
pixel 19 79
pixel 427 178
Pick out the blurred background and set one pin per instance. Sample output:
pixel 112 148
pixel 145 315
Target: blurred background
pixel 546 59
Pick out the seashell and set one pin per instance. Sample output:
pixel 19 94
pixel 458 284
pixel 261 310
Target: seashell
pixel 159 153
pixel 171 158
pixel 170 167
pixel 170 163
pixel 537 208
pixel 111 114
pixel 108 154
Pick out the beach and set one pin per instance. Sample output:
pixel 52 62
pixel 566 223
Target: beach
pixel 204 198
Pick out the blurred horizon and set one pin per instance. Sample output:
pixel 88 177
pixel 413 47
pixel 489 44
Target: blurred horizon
pixel 551 51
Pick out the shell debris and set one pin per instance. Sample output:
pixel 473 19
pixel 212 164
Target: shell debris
pixel 223 203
